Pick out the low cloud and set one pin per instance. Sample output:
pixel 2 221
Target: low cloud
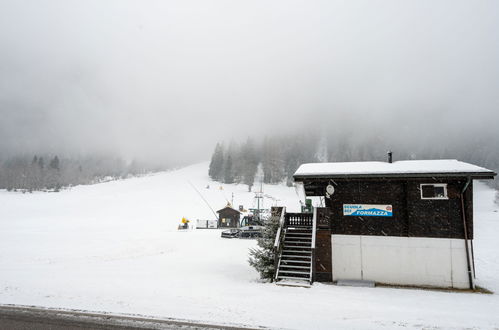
pixel 164 80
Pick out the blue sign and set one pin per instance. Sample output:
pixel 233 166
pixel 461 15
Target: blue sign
pixel 367 210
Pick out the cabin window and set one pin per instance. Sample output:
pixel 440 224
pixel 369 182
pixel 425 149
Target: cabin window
pixel 434 191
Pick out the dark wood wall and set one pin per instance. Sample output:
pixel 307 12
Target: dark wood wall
pixel 228 214
pixel 323 258
pixel 412 216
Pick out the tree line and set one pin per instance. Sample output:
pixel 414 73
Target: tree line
pixel 279 157
pixel 51 173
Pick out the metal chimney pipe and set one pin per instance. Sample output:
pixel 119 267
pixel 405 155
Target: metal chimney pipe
pixel 389 156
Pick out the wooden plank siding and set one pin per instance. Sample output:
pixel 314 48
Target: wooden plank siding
pixel 412 216
pixel 323 258
pixel 228 214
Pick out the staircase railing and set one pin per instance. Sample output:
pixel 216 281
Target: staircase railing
pixel 278 241
pixel 299 219
pixel 312 245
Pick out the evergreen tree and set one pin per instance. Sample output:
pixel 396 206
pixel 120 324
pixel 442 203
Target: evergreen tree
pixel 211 168
pixel 235 151
pixel 301 150
pixel 262 258
pixel 217 163
pixel 29 174
pixel 53 175
pixel 228 171
pixel 54 163
pixel 34 175
pixel 249 163
pixel 272 161
pixel 41 163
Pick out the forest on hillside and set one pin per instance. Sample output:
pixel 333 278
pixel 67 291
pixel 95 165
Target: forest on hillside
pixel 275 157
pixel 280 157
pixel 51 173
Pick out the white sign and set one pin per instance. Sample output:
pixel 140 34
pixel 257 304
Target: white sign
pixel 206 224
pixel 367 210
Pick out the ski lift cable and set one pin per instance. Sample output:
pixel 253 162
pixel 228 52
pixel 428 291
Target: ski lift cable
pixel 202 197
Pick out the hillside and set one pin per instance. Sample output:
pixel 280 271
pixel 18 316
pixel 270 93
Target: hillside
pixel 115 247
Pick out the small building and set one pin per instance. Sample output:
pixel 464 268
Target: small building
pixel 401 223
pixel 228 217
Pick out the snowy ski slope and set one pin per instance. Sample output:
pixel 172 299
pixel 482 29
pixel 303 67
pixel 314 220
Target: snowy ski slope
pixel 115 247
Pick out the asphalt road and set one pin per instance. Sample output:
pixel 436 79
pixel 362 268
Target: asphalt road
pixel 34 318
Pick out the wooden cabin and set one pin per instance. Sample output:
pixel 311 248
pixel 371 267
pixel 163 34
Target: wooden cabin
pixel 401 223
pixel 228 217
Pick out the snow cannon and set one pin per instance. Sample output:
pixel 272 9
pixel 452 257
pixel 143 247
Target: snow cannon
pixel 184 224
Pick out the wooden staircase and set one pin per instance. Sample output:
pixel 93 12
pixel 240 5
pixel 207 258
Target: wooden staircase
pixel 294 245
pixel 295 259
pixel 294 249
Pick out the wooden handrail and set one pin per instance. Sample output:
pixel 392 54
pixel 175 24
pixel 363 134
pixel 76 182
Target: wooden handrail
pixel 298 219
pixel 314 227
pixel 312 245
pixel 277 241
pixel 279 230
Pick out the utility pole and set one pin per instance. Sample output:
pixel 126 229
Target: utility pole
pixel 258 196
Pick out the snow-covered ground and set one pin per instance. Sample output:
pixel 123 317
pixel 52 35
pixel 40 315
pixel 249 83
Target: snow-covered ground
pixel 114 247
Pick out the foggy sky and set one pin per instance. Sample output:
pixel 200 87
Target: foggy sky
pixel 168 79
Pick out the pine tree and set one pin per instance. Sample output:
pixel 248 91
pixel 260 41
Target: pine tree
pixel 53 175
pixel 262 258
pixel 217 163
pixel 211 168
pixel 300 150
pixel 34 175
pixel 228 170
pixel 41 163
pixel 54 163
pixel 249 163
pixel 272 161
pixel 236 153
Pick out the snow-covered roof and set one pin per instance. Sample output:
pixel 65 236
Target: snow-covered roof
pixel 228 206
pixel 445 167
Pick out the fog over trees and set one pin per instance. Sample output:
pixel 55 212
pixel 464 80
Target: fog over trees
pixel 50 173
pixel 108 84
pixel 281 156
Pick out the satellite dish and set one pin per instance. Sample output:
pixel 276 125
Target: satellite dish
pixel 329 190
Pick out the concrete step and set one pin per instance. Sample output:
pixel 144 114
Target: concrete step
pixel 291 281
